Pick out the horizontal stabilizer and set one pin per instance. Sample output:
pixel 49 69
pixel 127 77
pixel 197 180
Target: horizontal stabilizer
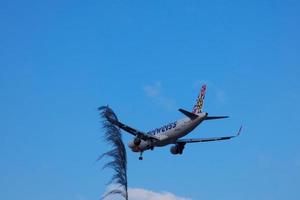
pixel 215 117
pixel 188 114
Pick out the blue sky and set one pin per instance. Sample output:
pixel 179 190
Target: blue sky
pixel 60 60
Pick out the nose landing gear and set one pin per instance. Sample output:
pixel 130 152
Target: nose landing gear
pixel 141 155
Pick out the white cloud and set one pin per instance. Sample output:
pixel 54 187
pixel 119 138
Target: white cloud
pixel 154 91
pixel 143 194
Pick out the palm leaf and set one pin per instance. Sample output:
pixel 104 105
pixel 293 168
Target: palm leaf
pixel 117 155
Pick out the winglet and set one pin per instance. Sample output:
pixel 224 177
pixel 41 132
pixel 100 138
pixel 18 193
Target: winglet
pixel 240 130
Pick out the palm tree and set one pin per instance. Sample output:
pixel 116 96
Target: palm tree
pixel 118 163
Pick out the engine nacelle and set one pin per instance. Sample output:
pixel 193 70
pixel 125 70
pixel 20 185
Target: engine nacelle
pixel 177 149
pixel 174 149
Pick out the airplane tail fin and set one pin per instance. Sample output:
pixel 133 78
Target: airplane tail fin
pixel 199 103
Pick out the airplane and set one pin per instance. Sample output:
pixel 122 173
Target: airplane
pixel 172 133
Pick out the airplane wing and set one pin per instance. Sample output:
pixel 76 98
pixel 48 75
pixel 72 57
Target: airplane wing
pixel 208 139
pixel 132 131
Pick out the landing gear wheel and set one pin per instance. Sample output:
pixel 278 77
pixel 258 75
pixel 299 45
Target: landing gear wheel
pixel 141 156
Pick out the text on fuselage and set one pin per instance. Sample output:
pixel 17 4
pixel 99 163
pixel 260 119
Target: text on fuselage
pixel 163 129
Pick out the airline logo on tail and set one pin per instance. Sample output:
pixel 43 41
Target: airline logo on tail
pixel 199 103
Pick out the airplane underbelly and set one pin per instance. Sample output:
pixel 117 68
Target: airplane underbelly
pixel 183 131
pixel 163 142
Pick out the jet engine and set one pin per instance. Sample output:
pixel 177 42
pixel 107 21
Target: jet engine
pixel 174 149
pixel 177 149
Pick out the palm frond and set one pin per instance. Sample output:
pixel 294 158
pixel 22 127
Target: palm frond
pixel 117 155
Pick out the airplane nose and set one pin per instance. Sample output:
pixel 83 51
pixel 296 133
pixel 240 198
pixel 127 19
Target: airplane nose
pixel 131 144
pixel 133 147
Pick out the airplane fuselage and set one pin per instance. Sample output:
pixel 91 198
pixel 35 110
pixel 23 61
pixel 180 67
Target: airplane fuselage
pixel 168 134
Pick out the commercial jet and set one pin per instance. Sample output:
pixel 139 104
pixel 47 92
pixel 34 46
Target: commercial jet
pixel 172 133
